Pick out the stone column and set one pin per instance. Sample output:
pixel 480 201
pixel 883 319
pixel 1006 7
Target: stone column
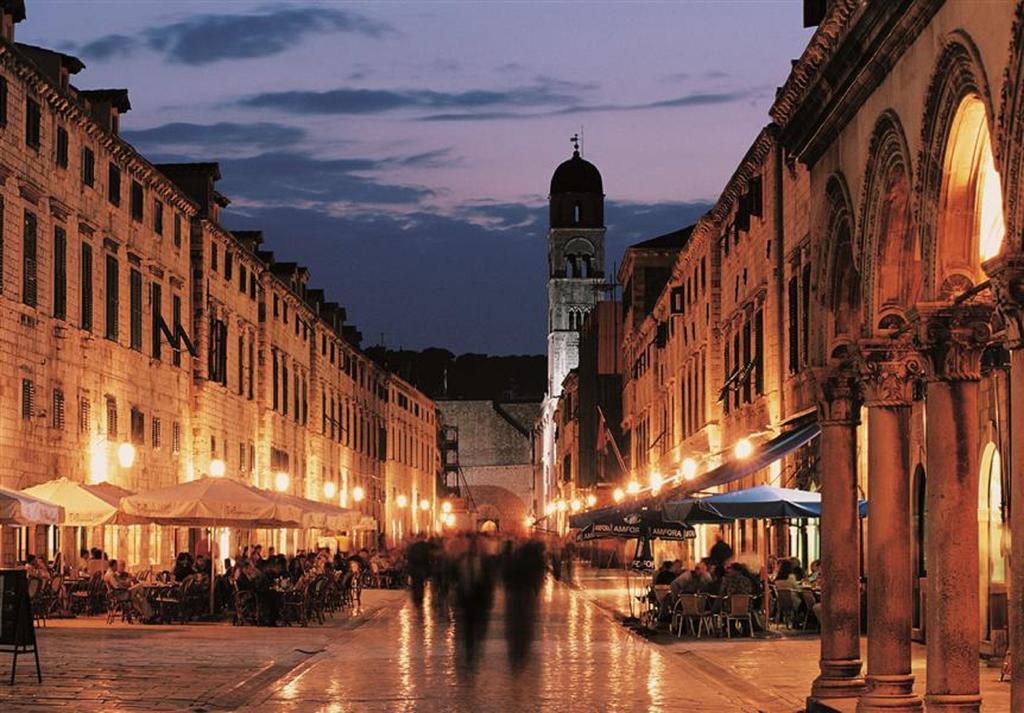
pixel 839 414
pixel 953 339
pixel 890 371
pixel 1007 273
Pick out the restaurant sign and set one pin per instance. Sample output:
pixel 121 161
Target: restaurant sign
pixel 635 530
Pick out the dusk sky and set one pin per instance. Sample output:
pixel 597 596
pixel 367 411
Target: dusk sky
pixel 403 150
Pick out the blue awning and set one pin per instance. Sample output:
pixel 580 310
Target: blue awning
pixel 762 501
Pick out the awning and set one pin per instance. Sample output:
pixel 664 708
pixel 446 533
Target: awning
pixel 21 509
pixel 763 455
pixel 85 505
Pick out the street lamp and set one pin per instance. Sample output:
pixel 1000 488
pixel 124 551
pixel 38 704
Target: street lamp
pixel 126 454
pixel 358 494
pixel 576 505
pixel 618 494
pixel 446 507
pixel 281 480
pixel 424 504
pixel 401 501
pixel 562 505
pixel 549 508
pixel 743 448
pixel 330 489
pixel 529 521
pixel 633 487
pixel 449 519
pixel 217 468
pixel 689 468
pixel 591 500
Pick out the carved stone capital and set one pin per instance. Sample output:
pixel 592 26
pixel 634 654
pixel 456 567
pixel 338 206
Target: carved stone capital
pixel 890 369
pixel 838 393
pixel 954 337
pixel 1006 274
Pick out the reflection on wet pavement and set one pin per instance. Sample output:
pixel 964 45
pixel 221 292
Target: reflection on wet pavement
pixel 408 660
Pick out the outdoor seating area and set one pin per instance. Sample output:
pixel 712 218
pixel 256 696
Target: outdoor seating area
pixel 257 590
pixel 712 600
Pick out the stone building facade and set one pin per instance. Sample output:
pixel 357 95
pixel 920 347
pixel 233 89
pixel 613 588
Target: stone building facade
pixel 144 344
pixel 865 269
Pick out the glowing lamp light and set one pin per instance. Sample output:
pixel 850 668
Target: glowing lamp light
pixel 689 468
pixel 281 480
pixel 562 506
pixel 591 500
pixel 424 504
pixel 401 501
pixel 743 448
pixel 449 519
pixel 358 494
pixel 126 455
pixel 217 468
pixel 446 507
pixel 529 521
pixel 576 505
pixel 549 508
pixel 656 481
pixel 618 494
pixel 633 487
pixel 330 489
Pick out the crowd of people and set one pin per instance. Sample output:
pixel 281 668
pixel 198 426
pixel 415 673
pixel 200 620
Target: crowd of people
pixel 463 571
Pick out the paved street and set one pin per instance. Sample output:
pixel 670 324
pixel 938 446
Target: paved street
pixel 390 658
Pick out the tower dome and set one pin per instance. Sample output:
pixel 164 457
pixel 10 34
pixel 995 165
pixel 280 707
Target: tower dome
pixel 577 175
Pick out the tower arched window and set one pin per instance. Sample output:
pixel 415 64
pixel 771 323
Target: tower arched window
pixel 577 211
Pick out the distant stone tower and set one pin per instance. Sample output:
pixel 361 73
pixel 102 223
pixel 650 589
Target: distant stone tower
pixel 575 261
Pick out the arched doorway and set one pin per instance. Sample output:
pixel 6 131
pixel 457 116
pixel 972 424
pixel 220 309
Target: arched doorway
pixel 993 533
pixel 971 203
pixel 919 521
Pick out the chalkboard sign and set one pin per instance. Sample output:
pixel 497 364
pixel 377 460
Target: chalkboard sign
pixel 17 634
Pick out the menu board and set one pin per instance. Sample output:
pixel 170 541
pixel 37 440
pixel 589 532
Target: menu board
pixel 17 633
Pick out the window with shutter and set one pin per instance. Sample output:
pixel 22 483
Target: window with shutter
pixel 138 199
pixel 111 418
pixel 33 123
pixel 176 319
pixel 135 308
pixel 88 167
pixel 175 437
pixel 158 217
pixel 27 397
pixel 62 147
pixel 85 277
pixel 29 254
pixel 60 273
pixel 57 417
pixel 156 436
pixel 177 230
pixel 229 265
pixel 156 298
pixel 84 415
pixel 112 288
pixel 114 184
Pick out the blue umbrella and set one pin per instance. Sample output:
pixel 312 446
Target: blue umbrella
pixel 762 501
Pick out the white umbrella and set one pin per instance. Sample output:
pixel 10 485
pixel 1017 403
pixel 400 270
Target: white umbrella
pixel 212 502
pixel 84 505
pixel 319 515
pixel 20 509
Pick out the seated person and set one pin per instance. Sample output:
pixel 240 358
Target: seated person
pixel 697 580
pixel 666 574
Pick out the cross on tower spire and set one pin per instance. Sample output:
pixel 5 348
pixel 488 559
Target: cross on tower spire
pixel 575 139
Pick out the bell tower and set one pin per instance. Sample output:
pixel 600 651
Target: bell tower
pixel 575 260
